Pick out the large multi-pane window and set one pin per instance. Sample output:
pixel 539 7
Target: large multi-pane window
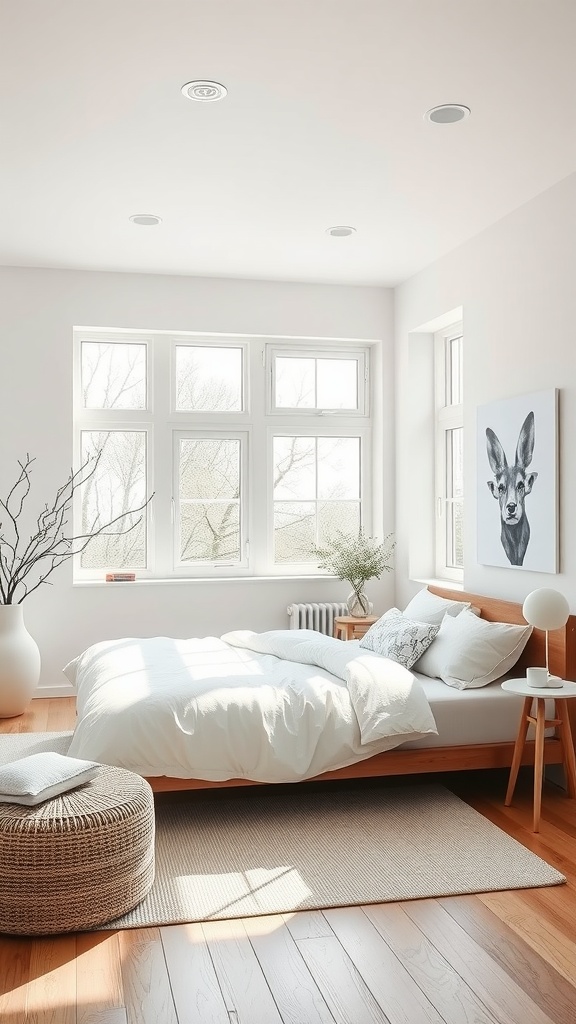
pixel 449 453
pixel 257 453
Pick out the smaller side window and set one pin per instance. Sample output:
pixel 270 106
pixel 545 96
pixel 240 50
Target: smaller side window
pixel 209 378
pixel 113 375
pixel 449 453
pixel 305 383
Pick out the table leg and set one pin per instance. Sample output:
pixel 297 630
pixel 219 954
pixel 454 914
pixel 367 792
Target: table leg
pixel 567 746
pixel 518 750
pixel 539 760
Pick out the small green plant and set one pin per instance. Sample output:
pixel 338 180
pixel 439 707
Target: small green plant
pixel 357 559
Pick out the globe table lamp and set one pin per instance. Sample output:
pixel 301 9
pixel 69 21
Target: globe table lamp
pixel 546 609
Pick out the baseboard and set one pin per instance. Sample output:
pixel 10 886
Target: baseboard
pixel 59 690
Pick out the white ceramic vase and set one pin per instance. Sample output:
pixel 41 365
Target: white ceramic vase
pixel 19 662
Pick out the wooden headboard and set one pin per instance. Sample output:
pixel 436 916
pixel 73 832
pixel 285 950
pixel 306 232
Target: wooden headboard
pixel 561 642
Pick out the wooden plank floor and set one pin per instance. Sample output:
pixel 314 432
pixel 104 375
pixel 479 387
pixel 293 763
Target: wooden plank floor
pixel 499 958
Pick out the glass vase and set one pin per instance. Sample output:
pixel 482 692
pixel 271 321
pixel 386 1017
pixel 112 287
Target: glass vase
pixel 358 604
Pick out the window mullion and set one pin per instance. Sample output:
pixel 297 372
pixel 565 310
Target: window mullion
pixel 161 538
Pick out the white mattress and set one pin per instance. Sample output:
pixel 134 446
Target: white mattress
pixel 487 714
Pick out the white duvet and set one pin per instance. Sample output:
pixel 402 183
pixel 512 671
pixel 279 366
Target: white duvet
pixel 271 707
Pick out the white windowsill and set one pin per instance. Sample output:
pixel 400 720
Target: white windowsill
pixel 446 584
pixel 180 580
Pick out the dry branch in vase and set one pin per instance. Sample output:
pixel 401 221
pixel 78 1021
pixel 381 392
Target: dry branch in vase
pixel 27 562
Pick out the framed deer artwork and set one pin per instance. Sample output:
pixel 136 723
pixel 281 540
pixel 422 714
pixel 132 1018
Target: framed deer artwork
pixel 517 484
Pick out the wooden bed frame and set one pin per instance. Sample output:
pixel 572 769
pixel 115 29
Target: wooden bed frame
pixel 562 655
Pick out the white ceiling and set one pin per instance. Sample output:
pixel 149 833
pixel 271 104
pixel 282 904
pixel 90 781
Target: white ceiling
pixel 323 124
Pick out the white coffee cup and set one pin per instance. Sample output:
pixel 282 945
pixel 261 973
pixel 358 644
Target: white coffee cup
pixel 537 677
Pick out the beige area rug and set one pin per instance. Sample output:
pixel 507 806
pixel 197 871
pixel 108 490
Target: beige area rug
pixel 268 851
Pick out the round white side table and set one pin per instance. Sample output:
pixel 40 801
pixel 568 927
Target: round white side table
pixel 561 721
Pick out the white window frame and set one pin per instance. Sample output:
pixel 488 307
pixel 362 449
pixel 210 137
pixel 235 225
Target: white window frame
pixel 186 415
pixel 363 433
pixel 203 568
pixel 255 425
pixel 361 355
pixel 447 417
pixel 114 419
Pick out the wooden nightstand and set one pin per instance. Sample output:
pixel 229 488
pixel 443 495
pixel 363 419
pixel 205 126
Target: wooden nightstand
pixel 560 721
pixel 349 627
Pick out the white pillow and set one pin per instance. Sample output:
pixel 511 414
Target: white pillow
pixel 398 638
pixel 71 669
pixel 428 607
pixel 38 777
pixel 470 652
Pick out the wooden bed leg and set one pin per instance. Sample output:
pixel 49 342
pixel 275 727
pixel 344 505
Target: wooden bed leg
pixel 518 750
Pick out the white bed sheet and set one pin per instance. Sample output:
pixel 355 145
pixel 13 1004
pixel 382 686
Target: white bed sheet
pixel 487 714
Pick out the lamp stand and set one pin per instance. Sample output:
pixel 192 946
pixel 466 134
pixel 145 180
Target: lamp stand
pixel 552 681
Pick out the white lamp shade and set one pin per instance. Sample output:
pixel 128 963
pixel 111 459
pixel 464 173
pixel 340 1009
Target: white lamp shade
pixel 546 609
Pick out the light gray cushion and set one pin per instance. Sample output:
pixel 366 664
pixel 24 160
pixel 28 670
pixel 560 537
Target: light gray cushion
pixel 399 638
pixel 39 777
pixel 428 607
pixel 470 652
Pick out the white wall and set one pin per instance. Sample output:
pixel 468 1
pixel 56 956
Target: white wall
pixel 516 284
pixel 38 309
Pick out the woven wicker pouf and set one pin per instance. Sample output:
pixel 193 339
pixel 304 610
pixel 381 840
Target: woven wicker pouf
pixel 79 860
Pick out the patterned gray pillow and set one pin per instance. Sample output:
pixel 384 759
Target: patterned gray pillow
pixel 399 638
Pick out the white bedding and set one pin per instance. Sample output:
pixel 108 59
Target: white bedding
pixel 487 714
pixel 270 707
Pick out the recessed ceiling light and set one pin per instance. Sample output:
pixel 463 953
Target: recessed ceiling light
pixel 146 219
pixel 447 113
pixel 341 231
pixel 204 92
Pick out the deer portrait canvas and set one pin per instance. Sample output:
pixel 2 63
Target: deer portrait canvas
pixel 517 486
